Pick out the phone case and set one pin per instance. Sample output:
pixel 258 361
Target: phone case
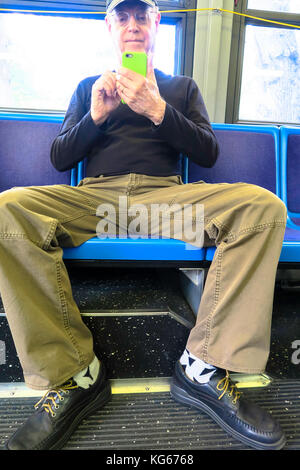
pixel 136 61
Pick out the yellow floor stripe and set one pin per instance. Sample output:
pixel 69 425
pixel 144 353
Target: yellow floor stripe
pixel 251 381
pixel 153 385
pixel 142 385
pixel 156 385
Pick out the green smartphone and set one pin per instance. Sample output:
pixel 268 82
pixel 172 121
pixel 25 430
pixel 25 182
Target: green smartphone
pixel 136 61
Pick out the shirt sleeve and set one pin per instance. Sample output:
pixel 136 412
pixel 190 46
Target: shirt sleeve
pixel 190 132
pixel 77 135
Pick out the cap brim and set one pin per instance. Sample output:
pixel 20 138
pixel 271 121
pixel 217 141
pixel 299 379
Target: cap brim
pixel 115 3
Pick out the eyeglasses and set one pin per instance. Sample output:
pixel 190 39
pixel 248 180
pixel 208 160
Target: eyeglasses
pixel 122 18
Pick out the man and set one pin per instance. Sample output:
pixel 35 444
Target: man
pixel 133 149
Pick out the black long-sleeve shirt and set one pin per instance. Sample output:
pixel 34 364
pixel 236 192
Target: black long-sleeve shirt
pixel 130 143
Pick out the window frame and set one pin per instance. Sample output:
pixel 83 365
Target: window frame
pixel 237 56
pixel 185 30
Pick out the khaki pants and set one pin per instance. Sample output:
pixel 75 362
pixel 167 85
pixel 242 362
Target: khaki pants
pixel 245 222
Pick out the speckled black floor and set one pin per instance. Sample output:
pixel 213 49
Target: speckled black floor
pixel 123 289
pixel 159 336
pixel 138 317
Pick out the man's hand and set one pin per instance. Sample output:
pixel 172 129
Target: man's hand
pixel 141 94
pixel 104 97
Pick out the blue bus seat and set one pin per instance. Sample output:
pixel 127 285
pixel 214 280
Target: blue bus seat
pixel 241 151
pixel 262 155
pixel 130 249
pixel 262 165
pixel 141 249
pixel 240 159
pixel 290 252
pixel 24 151
pixel 290 173
pixel 248 154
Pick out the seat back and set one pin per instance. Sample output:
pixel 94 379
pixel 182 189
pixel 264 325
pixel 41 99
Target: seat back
pixel 290 171
pixel 25 143
pixel 248 154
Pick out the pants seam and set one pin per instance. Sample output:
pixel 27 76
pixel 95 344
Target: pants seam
pixel 233 236
pixel 12 235
pixel 219 254
pixel 272 223
pixel 77 216
pixel 64 310
pixel 23 236
pixel 54 224
pixel 50 235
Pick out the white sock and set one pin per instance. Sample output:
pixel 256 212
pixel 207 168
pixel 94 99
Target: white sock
pixel 196 369
pixel 88 376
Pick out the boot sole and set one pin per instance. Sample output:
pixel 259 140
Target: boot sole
pixel 182 396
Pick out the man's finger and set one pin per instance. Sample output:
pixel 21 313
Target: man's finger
pixel 122 91
pixel 127 73
pixel 125 81
pixel 107 87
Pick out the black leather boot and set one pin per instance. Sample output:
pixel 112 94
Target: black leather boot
pixel 220 399
pixel 58 414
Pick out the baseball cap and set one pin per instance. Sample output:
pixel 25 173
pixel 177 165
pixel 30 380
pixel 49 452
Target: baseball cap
pixel 111 4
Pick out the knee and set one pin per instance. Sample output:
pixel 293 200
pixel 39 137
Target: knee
pixel 12 196
pixel 12 206
pixel 269 205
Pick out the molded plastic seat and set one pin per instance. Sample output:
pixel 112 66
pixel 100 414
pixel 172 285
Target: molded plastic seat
pixel 269 163
pixel 140 249
pixel 290 173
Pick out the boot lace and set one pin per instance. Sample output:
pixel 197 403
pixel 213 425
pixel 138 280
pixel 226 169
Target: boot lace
pixel 49 400
pixel 223 386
